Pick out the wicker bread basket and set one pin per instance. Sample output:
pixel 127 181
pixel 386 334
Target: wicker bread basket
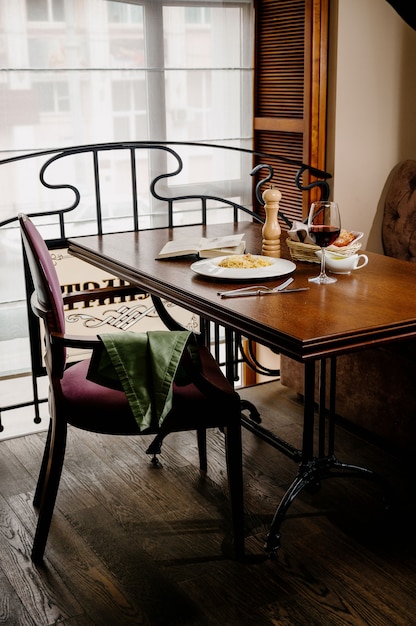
pixel 306 251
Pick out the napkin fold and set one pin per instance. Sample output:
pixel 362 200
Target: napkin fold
pixel 299 232
pixel 144 366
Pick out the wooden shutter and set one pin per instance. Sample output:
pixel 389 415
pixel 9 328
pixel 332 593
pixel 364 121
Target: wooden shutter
pixel 290 90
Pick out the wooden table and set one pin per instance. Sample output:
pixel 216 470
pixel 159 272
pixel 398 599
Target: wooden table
pixel 372 306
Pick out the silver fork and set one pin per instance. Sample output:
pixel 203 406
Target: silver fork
pixel 259 290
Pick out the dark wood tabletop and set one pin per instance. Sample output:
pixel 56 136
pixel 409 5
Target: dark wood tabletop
pixel 370 306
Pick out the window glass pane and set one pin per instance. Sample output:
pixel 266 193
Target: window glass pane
pixel 197 15
pixel 206 102
pixel 139 95
pixel 124 31
pixel 129 101
pixel 44 94
pixel 44 53
pixel 37 10
pixel 126 52
pixel 45 10
pixel 140 125
pixel 121 95
pixel 118 12
pixel 58 12
pixel 87 38
pixel 62 97
pixel 121 126
pixel 189 88
pixel 213 40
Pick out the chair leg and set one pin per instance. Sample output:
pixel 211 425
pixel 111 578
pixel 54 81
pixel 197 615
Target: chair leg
pixel 50 477
pixel 43 468
pixel 233 449
pixel 201 435
pixel 155 448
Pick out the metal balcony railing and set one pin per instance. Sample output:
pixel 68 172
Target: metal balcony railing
pixel 111 187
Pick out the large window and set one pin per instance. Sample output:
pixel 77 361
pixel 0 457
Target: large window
pixel 97 71
pixel 192 62
pixel 75 73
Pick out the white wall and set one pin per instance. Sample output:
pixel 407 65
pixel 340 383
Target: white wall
pixel 372 108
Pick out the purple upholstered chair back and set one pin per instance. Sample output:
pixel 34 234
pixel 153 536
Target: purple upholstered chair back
pixel 44 276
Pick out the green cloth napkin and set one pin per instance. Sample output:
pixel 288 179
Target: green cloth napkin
pixel 144 366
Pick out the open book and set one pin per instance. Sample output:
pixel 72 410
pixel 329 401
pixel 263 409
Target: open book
pixel 204 247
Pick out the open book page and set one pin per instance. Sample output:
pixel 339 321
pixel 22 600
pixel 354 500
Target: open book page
pixel 204 247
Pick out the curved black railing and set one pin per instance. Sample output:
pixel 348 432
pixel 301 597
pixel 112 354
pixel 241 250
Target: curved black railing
pixel 132 146
pixel 158 192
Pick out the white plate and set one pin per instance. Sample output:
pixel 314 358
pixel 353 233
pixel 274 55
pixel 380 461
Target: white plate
pixel 211 268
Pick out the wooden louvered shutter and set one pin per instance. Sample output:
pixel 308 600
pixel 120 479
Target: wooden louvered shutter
pixel 290 92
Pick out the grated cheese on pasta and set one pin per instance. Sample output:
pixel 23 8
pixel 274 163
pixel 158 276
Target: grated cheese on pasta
pixel 243 261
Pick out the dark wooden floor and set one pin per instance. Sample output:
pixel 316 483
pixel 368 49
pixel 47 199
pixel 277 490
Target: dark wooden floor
pixel 131 544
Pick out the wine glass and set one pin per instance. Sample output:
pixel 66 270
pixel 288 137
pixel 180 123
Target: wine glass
pixel 324 224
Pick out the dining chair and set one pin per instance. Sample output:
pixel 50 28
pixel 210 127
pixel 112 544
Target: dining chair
pixel 207 401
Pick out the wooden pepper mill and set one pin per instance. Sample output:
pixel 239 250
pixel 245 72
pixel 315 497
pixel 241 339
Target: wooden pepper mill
pixel 271 230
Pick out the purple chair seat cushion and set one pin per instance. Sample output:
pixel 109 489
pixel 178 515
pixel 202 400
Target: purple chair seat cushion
pixel 90 406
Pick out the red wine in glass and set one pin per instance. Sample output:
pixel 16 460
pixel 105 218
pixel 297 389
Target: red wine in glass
pixel 324 226
pixel 324 236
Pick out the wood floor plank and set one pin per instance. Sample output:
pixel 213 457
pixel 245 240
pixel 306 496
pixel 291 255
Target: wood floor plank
pixel 70 565
pixel 12 610
pixel 131 558
pixel 41 599
pixel 14 473
pixel 28 450
pixel 151 491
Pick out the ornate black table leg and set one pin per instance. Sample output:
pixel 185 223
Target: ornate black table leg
pixel 313 469
pixel 303 479
pixel 305 472
pixel 311 476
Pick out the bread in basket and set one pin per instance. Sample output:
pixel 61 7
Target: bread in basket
pixel 306 251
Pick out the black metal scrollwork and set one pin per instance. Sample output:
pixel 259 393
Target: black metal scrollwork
pixel 322 184
pixel 237 353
